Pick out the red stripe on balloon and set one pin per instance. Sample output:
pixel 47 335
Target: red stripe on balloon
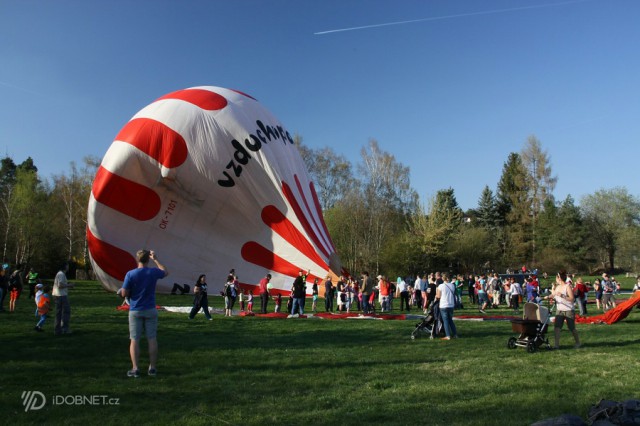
pixel 306 204
pixel 125 196
pixel 244 94
pixel 286 190
pixel 204 99
pixel 316 202
pixel 259 255
pixel 274 219
pixel 112 260
pixel 155 139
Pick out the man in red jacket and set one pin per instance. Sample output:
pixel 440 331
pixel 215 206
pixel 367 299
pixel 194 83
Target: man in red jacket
pixel 264 293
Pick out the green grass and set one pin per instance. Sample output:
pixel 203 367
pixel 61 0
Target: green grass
pixel 253 371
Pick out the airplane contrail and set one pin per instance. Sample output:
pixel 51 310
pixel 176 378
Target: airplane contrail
pixel 13 86
pixel 461 15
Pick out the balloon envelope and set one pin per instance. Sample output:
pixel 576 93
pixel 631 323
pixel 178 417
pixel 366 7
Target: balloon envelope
pixel 210 180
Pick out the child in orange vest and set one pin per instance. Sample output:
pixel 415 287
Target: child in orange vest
pixel 43 308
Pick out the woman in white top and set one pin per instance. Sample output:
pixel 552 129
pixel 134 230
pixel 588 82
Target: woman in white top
pixel 446 294
pixel 564 298
pixel 515 292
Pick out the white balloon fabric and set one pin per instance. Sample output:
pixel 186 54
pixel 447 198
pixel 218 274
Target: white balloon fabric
pixel 210 180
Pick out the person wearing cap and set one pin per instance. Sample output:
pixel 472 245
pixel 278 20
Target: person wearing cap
pixel 43 308
pixel 38 288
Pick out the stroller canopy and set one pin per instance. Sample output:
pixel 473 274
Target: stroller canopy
pixel 535 312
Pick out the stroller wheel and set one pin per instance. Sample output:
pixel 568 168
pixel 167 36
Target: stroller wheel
pixel 413 337
pixel 511 344
pixel 531 347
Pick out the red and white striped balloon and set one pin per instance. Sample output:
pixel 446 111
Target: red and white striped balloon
pixel 210 180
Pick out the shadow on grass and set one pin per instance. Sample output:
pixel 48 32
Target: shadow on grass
pixel 612 344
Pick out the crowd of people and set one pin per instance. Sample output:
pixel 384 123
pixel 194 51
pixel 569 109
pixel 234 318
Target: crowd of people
pixel 16 281
pixel 378 295
pixel 491 291
pixel 364 294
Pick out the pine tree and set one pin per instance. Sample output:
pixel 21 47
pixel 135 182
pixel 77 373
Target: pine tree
pixel 514 211
pixel 487 212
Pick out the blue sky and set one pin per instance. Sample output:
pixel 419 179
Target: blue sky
pixel 450 94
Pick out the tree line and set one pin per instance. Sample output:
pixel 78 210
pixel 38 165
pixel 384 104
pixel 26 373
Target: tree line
pixel 378 222
pixel 376 219
pixel 43 221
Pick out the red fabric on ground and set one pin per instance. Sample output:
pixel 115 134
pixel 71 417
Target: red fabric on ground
pixel 275 315
pixel 126 307
pixel 616 314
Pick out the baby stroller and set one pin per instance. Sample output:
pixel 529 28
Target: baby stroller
pixel 431 324
pixel 532 328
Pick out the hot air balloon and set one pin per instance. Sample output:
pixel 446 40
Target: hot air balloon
pixel 210 180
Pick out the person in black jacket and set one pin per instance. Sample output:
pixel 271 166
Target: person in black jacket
pixel 200 299
pixel 298 293
pixel 328 295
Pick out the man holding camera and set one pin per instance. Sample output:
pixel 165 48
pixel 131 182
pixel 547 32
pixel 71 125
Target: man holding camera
pixel 140 287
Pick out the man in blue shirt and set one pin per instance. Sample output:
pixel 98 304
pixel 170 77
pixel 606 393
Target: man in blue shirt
pixel 140 287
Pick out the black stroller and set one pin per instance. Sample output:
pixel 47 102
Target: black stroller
pixel 532 328
pixel 431 324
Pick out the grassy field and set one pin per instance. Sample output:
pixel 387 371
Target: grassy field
pixel 258 371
